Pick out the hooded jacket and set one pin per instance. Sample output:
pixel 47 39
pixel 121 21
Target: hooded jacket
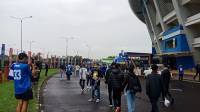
pixel 116 79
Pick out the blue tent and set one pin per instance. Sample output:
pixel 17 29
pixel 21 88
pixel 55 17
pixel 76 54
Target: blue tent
pixel 120 60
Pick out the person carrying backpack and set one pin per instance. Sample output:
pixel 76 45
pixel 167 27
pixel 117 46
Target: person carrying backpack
pixel 133 86
pixel 116 80
pixel 69 71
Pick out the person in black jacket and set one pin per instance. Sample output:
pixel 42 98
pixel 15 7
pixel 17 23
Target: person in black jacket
pixel 132 84
pixel 107 76
pixel 197 71
pixel 46 69
pixel 154 87
pixel 116 80
pixel 95 83
pixel 166 77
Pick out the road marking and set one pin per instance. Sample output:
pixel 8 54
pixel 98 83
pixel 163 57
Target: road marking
pixel 180 90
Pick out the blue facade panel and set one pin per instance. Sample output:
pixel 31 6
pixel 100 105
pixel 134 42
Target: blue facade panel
pixel 174 40
pixel 181 44
pixel 172 30
pixel 186 61
pixel 154 51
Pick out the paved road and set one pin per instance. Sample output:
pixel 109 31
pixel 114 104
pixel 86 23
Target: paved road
pixel 64 96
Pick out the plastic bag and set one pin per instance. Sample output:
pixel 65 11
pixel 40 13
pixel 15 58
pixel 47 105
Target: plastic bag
pixel 166 102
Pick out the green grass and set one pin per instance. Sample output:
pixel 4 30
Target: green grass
pixel 7 100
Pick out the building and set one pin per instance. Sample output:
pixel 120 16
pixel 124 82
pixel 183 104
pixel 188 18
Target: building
pixel 174 28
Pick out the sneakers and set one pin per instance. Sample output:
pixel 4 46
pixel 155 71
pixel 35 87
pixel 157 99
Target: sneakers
pixel 110 106
pixel 82 91
pixel 172 101
pixel 91 99
pixel 118 109
pixel 98 100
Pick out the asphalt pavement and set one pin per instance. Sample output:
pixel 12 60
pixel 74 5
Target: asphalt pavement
pixel 65 96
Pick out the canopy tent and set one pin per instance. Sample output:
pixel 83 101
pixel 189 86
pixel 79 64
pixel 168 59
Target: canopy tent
pixel 120 60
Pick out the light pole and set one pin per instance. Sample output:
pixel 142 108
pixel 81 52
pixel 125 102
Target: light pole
pixel 30 45
pixel 67 42
pixel 89 49
pixel 21 21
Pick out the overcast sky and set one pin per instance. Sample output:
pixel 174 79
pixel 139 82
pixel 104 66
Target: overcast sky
pixel 107 26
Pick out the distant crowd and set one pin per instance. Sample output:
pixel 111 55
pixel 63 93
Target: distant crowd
pixel 119 78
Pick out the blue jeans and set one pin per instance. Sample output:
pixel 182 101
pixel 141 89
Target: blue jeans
pixel 96 91
pixel 131 101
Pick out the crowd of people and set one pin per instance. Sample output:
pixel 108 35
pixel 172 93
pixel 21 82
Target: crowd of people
pixel 119 78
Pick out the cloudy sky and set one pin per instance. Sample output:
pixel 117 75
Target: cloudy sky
pixel 107 26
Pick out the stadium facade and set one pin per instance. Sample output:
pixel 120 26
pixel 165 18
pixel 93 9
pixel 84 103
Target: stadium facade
pixel 174 28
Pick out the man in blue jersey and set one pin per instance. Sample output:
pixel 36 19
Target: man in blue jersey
pixel 69 70
pixel 22 82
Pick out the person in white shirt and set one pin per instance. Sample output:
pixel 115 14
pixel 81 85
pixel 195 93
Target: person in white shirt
pixel 82 75
pixel 77 67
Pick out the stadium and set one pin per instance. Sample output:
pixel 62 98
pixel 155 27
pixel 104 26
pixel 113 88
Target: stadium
pixel 174 28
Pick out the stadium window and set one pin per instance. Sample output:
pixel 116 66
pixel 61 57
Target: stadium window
pixel 172 43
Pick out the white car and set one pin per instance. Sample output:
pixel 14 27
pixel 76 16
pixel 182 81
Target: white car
pixel 160 68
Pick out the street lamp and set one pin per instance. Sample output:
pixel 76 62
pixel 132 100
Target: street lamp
pixel 21 20
pixel 67 42
pixel 30 45
pixel 89 49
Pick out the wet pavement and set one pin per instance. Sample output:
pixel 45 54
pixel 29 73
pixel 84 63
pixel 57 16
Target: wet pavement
pixel 65 96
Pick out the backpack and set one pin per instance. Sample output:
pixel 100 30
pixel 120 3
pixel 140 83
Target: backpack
pixel 134 83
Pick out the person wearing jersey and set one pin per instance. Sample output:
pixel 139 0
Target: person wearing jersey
pixel 22 82
pixel 95 83
pixel 69 70
pixel 82 75
pixel 180 72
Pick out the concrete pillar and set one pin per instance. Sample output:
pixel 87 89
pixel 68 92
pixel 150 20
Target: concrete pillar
pixel 181 13
pixel 164 27
pixel 153 25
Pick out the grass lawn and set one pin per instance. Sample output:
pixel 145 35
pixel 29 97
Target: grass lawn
pixel 7 99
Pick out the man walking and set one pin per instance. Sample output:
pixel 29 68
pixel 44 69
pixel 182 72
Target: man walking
pixel 69 70
pixel 82 75
pixel 95 82
pixel 154 87
pixel 166 77
pixel 107 76
pixel 181 72
pixel 197 71
pixel 46 69
pixel 62 71
pixel 116 81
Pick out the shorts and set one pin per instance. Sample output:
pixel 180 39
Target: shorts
pixel 28 95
